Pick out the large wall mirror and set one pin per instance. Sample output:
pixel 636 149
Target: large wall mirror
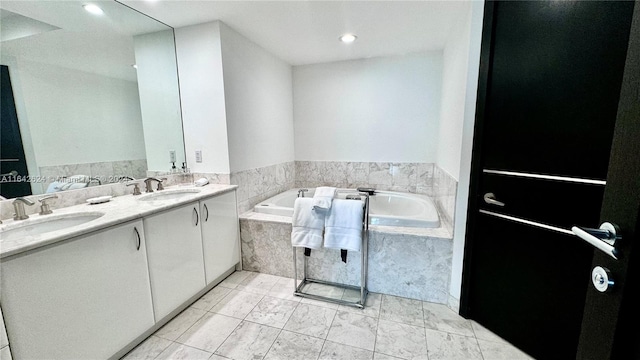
pixel 89 96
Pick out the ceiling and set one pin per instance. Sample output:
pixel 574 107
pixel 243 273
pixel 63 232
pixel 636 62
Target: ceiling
pixel 306 32
pixel 62 33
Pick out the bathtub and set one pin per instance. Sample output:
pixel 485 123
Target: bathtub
pixel 387 208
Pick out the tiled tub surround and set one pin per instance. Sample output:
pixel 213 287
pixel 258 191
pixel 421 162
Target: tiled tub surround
pixel 105 171
pixel 408 262
pixel 256 185
pixel 444 191
pixel 421 178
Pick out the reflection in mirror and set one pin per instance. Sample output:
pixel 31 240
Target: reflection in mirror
pixel 75 110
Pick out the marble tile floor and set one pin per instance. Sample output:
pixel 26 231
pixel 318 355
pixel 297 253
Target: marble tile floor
pixel 252 316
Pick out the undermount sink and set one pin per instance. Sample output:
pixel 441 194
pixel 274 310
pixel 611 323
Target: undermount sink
pixel 168 195
pixel 44 224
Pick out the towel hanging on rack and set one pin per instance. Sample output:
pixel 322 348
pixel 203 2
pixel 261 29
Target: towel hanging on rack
pixel 322 197
pixel 306 224
pixel 343 225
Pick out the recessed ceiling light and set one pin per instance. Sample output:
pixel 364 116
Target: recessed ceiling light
pixel 348 38
pixel 94 9
pixel 134 66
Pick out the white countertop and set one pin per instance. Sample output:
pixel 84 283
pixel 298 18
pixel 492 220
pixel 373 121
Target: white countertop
pixel 118 210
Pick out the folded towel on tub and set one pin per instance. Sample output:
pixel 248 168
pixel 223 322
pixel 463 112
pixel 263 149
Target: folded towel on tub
pixel 322 197
pixel 343 225
pixel 307 224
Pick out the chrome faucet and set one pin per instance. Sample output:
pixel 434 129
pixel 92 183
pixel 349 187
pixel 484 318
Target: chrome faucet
pixel 147 184
pixel 301 192
pixel 136 188
pixel 18 206
pixel 44 206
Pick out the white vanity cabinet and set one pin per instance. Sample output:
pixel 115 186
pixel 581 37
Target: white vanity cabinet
pixel 176 265
pixel 220 238
pixel 84 298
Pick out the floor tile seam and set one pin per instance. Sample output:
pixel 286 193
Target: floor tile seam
pixel 213 305
pixel 234 329
pixel 426 340
pixel 274 341
pixel 403 323
pixel 451 333
pixel 322 348
pixel 227 338
pixel 375 341
pixel 393 356
pixel 501 341
pixel 479 348
pixel 189 346
pixel 187 329
pixel 155 357
pixel 253 308
pixel 271 326
pixel 294 310
pixel 349 307
pixel 299 333
pixel 285 322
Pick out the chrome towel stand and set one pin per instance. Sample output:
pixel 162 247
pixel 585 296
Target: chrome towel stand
pixel 298 289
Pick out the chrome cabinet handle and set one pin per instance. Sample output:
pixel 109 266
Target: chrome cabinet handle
pixel 490 198
pixel 603 239
pixel 138 236
pixel 197 216
pixel 207 217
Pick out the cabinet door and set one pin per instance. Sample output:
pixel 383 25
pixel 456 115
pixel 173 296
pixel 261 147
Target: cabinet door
pixel 220 240
pixel 85 298
pixel 174 248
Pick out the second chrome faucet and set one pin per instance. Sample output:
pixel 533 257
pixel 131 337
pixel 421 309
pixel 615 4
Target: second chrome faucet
pixel 148 186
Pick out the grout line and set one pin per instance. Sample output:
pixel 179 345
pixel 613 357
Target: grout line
pixel 227 338
pixel 184 331
pixel 321 348
pixel 375 340
pixel 271 346
pixel 330 325
pixel 155 357
pixel 426 340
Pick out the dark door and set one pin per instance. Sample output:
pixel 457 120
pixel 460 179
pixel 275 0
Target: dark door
pixel 558 86
pixel 13 165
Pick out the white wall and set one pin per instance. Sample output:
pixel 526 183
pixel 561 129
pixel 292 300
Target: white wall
pixel 258 99
pixel 199 55
pixel 77 117
pixel 159 98
pixel 377 109
pixel 454 87
pixel 474 25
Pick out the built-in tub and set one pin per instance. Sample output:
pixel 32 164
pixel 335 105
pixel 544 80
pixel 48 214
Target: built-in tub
pixel 387 208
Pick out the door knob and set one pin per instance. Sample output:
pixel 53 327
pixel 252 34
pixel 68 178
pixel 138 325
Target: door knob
pixel 603 239
pixel 490 198
pixel 601 278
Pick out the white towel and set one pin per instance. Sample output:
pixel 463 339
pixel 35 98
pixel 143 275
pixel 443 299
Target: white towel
pixel 307 224
pixel 322 197
pixel 69 183
pixel 343 226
